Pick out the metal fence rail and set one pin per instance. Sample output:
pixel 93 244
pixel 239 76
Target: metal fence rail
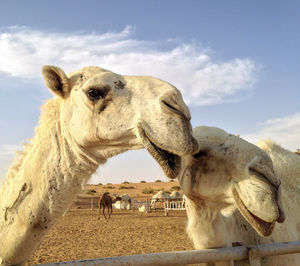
pixel 174 205
pixel 251 252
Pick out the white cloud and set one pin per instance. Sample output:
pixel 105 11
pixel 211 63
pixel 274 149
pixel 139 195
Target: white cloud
pixel 284 130
pixel 188 66
pixel 9 149
pixel 7 153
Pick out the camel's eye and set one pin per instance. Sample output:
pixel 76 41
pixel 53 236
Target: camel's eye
pixel 95 94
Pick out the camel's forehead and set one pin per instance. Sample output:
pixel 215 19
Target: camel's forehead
pixel 87 72
pixel 226 145
pixel 211 134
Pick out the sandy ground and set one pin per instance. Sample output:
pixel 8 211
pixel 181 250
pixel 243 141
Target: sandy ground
pixel 80 235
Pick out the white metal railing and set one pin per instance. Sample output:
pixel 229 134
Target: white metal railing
pixel 173 205
pixel 251 252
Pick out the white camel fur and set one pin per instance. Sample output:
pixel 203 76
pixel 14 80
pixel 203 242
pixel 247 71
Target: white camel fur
pixel 159 196
pixel 233 193
pixel 125 202
pixel 95 114
pixel 176 195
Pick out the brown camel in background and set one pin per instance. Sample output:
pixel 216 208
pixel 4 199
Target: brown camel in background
pixel 106 201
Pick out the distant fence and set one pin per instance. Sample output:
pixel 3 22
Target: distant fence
pixel 137 204
pixel 86 202
pixel 252 252
pixel 174 205
pixel 168 205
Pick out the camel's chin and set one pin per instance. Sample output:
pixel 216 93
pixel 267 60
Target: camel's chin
pixel 262 227
pixel 169 162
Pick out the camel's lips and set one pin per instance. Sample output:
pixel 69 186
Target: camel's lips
pixel 169 162
pixel 262 227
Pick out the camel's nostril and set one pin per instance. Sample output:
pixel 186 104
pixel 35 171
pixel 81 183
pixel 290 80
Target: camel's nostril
pixel 173 107
pixel 170 106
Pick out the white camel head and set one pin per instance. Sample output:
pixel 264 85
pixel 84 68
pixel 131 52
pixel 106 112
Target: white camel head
pixel 106 114
pixel 229 171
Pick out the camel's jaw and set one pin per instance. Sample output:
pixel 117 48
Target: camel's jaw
pixel 262 227
pixel 169 162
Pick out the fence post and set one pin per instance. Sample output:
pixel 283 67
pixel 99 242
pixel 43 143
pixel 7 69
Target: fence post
pixel 254 257
pixel 147 206
pixel 147 211
pixel 166 204
pixel 92 203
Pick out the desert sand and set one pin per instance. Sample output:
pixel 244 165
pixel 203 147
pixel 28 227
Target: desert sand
pixel 80 235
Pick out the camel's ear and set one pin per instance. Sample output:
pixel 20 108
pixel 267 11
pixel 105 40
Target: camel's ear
pixel 56 80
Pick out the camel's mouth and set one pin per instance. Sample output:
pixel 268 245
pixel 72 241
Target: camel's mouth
pixel 262 227
pixel 169 162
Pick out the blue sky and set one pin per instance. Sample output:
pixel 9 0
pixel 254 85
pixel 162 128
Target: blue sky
pixel 236 63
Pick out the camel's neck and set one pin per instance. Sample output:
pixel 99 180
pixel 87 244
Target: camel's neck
pixel 57 162
pixel 39 188
pixel 205 225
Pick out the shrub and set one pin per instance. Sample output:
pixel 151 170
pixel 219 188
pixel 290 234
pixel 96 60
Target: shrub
pixel 126 187
pixel 172 180
pixel 143 181
pixel 99 184
pixel 176 188
pixel 109 187
pixel 156 181
pixel 109 184
pixel 148 191
pixel 125 182
pixel 91 191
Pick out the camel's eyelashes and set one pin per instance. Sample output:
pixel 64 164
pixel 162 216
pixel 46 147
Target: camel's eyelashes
pixel 200 154
pixel 95 94
pixel 260 176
